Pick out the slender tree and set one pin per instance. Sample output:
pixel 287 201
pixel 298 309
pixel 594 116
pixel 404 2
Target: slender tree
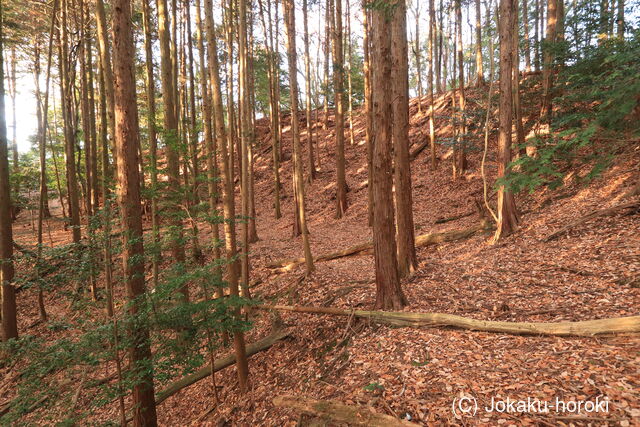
pixel 171 137
pixel 432 35
pixel 274 107
pixel 338 87
pixel 517 110
pixel 243 118
pixel 227 186
pixel 105 66
pixel 547 70
pixel 349 67
pixel 43 118
pixel 418 54
pixel 479 71
pixel 407 261
pixel 67 89
pixel 298 180
pixel 328 24
pixel 368 107
pixel 527 44
pixel 307 78
pixel 460 159
pixel 620 20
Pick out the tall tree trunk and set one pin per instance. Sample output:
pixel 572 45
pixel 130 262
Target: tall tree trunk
pixel 211 146
pixel 84 110
pixel 274 118
pixel 251 105
pixel 105 64
pixel 516 82
pixel 193 198
pixel 432 35
pixel 479 70
pixel 440 84
pixel 349 77
pixel 461 159
pixel 536 36
pixel 388 291
pixel 527 44
pixel 298 180
pixel 127 138
pixel 368 107
pixel 507 213
pixel 547 71
pixel 153 139
pixel 418 56
pixel 307 74
pixel 328 18
pixel 620 20
pixel 9 309
pixel 43 118
pixel 69 128
pixel 338 83
pixel 14 127
pixel 407 261
pixel 227 186
pixel 171 138
pixel 243 117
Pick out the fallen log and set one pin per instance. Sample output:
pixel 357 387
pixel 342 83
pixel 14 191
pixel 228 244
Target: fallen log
pixel 337 412
pixel 594 214
pixel 367 247
pixel 584 328
pixel 219 364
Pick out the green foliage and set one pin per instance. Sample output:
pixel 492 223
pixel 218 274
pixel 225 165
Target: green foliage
pixel 374 386
pixel 594 114
pixel 181 333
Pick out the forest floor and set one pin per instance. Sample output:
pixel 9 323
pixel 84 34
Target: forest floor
pixel 591 272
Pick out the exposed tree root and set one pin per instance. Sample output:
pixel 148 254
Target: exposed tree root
pixel 329 410
pixel 367 247
pixel 585 328
pixel 594 214
pixel 220 364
